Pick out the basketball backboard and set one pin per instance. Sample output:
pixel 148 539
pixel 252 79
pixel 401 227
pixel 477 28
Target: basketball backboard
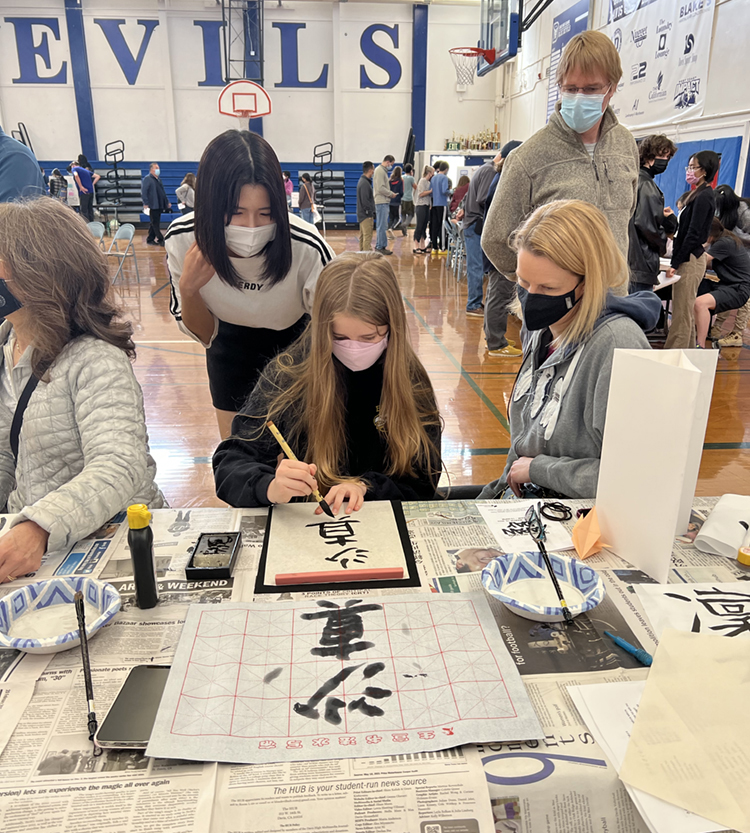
pixel 244 99
pixel 499 31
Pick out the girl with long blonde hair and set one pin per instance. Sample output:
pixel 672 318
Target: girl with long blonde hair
pixel 568 262
pixel 351 398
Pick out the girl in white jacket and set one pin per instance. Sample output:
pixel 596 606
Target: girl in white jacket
pixel 81 454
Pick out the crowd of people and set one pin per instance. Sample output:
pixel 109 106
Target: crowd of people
pixel 570 228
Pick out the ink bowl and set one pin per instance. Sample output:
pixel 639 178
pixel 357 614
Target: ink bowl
pixel 521 582
pixel 40 618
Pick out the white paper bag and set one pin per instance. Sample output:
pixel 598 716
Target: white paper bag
pixel 653 439
pixel 726 528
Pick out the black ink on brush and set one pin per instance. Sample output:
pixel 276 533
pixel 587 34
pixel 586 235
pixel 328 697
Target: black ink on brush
pixel 539 534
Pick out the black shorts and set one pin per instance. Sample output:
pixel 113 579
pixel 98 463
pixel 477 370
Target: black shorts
pixel 726 297
pixel 237 357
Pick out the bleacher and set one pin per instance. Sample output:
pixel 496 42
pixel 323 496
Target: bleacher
pixel 340 195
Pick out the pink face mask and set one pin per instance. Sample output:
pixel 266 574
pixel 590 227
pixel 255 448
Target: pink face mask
pixel 359 355
pixel 691 178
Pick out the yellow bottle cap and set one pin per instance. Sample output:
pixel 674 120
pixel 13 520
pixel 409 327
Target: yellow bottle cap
pixel 743 556
pixel 138 516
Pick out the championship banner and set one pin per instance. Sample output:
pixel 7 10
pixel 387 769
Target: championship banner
pixel 564 28
pixel 664 48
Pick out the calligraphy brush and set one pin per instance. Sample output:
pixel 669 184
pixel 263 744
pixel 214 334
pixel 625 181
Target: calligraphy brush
pixel 81 615
pixel 292 456
pixel 536 530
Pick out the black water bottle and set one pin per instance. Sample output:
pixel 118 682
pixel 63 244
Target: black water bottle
pixel 141 543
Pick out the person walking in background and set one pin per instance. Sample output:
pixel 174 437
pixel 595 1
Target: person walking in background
pixel 383 194
pixel 394 208
pixel 459 192
pixel 651 224
pixel 155 199
pixel 306 198
pixel 58 186
pixel 472 221
pixel 85 182
pixel 582 153
pixel 407 202
pixel 185 192
pixel 500 290
pixel 688 255
pixel 423 207
pixel 440 193
pixel 288 187
pixel 365 206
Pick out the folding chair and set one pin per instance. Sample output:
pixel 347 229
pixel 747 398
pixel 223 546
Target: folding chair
pixel 124 233
pixel 97 229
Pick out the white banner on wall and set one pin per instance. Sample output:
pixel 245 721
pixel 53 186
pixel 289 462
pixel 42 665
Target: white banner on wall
pixel 664 47
pixel 564 28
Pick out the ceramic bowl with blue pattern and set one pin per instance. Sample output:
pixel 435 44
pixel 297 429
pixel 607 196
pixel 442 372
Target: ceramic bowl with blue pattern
pixel 41 617
pixel 521 582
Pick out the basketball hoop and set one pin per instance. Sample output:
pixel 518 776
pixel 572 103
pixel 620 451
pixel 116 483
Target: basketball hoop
pixel 465 60
pixel 244 100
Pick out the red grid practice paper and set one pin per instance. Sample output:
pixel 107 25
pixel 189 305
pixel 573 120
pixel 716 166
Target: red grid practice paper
pixel 435 666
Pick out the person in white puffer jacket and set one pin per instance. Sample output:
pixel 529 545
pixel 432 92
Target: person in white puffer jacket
pixel 82 453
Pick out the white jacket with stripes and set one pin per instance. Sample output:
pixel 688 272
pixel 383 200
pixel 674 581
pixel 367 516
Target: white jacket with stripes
pixel 253 305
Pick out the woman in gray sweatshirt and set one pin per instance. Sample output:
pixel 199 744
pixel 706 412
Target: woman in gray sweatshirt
pixel 568 262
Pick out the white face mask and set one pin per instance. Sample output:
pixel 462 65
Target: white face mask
pixel 248 242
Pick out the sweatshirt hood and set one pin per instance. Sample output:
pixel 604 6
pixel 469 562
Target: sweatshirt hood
pixel 642 307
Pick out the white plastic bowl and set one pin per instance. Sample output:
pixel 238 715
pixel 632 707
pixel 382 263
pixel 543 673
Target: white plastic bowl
pixel 521 582
pixel 40 618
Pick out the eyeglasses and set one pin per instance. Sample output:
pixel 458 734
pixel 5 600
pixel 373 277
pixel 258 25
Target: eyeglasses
pixel 691 168
pixel 594 89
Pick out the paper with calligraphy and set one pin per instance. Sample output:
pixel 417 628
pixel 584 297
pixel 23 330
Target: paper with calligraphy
pixel 299 541
pixel 319 679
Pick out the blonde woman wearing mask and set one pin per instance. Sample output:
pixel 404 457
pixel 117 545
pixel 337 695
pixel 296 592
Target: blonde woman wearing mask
pixel 351 398
pixel 568 264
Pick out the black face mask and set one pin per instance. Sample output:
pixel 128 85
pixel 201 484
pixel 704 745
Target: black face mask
pixel 659 166
pixel 8 301
pixel 540 311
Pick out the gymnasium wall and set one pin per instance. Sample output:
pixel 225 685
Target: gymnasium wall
pixel 152 71
pixel 724 125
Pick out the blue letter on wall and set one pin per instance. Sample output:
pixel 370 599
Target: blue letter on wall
pixel 290 58
pixel 129 65
pixel 27 52
pixel 380 57
pixel 211 52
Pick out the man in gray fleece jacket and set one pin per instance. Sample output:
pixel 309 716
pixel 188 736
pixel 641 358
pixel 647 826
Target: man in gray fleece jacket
pixel 559 405
pixel 583 153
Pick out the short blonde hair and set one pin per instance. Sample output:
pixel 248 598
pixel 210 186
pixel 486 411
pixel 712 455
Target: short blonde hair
pixel 576 236
pixel 590 52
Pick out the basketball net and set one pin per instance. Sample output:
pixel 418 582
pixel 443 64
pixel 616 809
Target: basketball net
pixel 243 117
pixel 466 59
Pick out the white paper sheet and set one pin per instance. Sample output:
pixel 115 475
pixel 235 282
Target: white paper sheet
pixel 299 541
pixel 726 528
pixel 690 744
pixel 609 710
pixel 647 476
pixel 507 523
pixel 257 683
pixel 721 608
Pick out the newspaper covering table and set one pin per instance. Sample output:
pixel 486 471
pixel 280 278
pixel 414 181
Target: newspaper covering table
pixel 559 784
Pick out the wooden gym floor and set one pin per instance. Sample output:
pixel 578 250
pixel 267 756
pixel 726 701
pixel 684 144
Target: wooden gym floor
pixel 472 389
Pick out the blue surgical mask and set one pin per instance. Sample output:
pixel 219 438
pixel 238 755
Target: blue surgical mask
pixel 581 112
pixel 156 171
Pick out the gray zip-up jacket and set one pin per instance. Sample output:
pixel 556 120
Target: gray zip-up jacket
pixel 558 406
pixel 83 451
pixel 365 199
pixel 555 165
